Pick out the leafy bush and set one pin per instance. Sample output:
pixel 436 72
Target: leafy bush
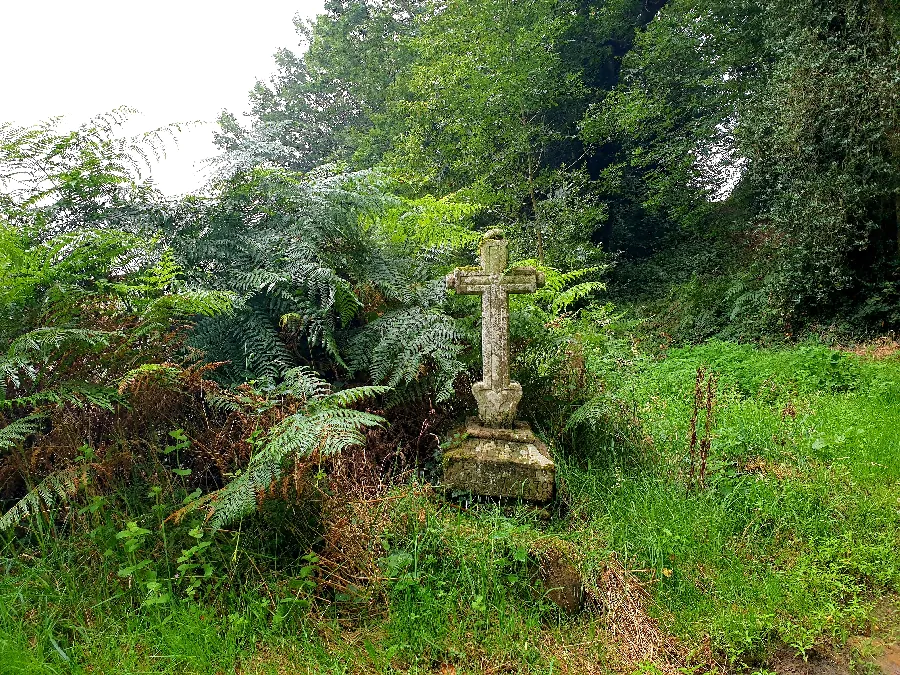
pixel 323 425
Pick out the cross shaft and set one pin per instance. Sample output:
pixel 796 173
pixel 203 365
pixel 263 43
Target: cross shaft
pixel 497 396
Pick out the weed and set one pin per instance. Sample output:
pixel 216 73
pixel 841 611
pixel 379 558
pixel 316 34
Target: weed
pixel 704 399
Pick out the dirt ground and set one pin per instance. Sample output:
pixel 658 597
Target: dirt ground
pixel 876 652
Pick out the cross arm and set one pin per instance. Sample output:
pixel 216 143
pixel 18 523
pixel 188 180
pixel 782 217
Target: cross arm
pixel 523 280
pixel 468 280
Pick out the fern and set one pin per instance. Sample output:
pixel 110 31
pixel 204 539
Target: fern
pixel 325 274
pixel 159 372
pixel 248 340
pixel 561 290
pixel 59 485
pixel 299 252
pixel 568 297
pixel 41 342
pixel 16 432
pixel 34 160
pixel 225 402
pixel 91 303
pixel 14 368
pixel 324 426
pixel 187 303
pixel 326 431
pixel 432 224
pixel 595 412
pixel 402 345
pixel 602 417
pixel 304 383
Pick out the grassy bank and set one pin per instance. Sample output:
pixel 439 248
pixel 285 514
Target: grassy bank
pixel 789 537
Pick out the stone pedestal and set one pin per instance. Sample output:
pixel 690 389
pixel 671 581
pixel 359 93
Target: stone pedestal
pixel 493 462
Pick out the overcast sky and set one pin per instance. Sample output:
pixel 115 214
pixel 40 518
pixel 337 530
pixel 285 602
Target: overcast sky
pixel 175 61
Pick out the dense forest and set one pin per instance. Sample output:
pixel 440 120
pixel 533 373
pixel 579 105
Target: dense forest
pixel 222 416
pixel 750 150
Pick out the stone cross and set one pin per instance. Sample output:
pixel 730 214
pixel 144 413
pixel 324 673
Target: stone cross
pixel 497 397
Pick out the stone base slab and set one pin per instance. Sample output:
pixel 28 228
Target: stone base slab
pixel 492 462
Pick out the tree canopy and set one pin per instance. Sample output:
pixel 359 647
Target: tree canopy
pixel 763 134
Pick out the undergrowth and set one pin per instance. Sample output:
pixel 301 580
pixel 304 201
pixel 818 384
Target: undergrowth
pixel 790 540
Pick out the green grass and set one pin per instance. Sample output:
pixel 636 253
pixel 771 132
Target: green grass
pixel 798 530
pixel 457 588
pixel 791 541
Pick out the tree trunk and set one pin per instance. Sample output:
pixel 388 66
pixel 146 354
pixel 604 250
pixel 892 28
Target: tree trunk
pixel 897 216
pixel 539 237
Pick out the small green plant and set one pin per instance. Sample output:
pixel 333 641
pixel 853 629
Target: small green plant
pixel 139 570
pixel 193 571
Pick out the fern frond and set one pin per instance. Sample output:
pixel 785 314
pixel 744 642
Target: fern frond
pixel 305 383
pixel 86 394
pixel 16 432
pixel 347 397
pixel 42 341
pixel 199 302
pixel 57 486
pixel 594 412
pixel 164 373
pixel 14 367
pixel 346 304
pixel 404 345
pixel 224 403
pixel 326 430
pixel 432 223
pixel 247 339
pixel 78 394
pixel 561 289
pixel 259 280
pixel 575 293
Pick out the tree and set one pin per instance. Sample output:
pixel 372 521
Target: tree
pixel 796 102
pixel 482 99
pixel 319 104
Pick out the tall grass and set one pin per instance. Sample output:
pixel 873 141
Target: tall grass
pixel 798 532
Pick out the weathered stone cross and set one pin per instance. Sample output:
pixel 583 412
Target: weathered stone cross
pixel 497 397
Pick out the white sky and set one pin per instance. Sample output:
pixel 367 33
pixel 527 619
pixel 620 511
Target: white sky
pixel 175 61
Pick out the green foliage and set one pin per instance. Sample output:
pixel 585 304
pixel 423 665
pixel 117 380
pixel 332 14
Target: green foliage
pixel 793 105
pixel 398 346
pixel 73 330
pixel 319 104
pixel 58 487
pixel 276 242
pixel 431 224
pixel 789 544
pixel 15 433
pixel 642 129
pixel 480 101
pixel 562 291
pixel 475 103
pixel 548 330
pixel 487 109
pixel 304 254
pixel 774 374
pixel 89 178
pixel 772 550
pixel 89 308
pixel 732 167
